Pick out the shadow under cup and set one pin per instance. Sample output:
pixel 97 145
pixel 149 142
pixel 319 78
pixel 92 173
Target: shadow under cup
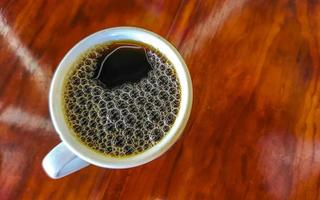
pixel 119 34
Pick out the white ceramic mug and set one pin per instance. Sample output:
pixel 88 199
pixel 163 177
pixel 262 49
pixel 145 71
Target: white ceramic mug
pixel 71 155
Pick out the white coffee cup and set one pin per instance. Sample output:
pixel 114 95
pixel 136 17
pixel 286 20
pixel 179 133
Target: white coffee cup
pixel 71 155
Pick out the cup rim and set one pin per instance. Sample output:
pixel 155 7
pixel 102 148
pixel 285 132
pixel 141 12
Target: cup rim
pixel 119 33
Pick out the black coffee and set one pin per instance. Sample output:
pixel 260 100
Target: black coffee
pixel 122 64
pixel 121 98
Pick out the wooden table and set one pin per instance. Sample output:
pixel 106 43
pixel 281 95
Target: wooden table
pixel 254 131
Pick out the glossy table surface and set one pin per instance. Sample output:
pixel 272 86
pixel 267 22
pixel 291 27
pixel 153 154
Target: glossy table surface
pixel 254 130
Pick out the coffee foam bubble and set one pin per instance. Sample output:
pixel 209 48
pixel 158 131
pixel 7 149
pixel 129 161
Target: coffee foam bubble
pixel 125 120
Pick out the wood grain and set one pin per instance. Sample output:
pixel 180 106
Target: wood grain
pixel 254 132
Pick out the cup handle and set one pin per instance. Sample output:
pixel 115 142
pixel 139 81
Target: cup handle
pixel 60 161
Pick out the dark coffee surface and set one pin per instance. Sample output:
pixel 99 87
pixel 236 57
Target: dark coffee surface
pixel 122 64
pixel 125 111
